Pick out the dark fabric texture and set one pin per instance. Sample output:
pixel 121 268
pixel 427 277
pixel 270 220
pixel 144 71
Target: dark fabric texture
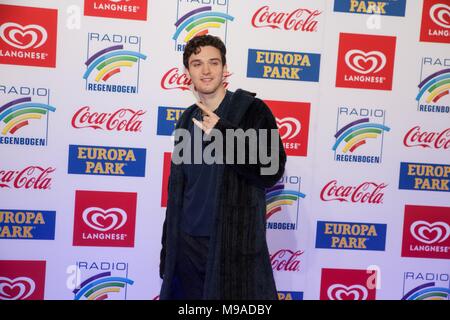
pixel 238 263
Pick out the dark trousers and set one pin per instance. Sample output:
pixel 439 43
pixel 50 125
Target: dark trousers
pixel 190 267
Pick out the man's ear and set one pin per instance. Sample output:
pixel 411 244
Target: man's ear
pixel 225 71
pixel 186 72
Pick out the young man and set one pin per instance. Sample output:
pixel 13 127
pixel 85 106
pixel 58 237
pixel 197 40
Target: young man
pixel 214 238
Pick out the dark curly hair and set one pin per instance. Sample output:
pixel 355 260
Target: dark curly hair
pixel 194 45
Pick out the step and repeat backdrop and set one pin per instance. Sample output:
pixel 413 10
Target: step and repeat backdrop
pixel 90 92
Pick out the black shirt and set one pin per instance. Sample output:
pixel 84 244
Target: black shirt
pixel 200 182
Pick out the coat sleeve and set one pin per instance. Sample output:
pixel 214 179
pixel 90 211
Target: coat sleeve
pixel 261 118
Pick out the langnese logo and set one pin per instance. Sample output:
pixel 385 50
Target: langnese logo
pixel 435 21
pixel 426 232
pixel 110 161
pixel 113 63
pixel 351 236
pixel 300 19
pixel 24 115
pixel 424 176
pixel 367 192
pixel 286 260
pixel 167 160
pixel 27 224
pixel 347 284
pixel 30 178
pixel 426 285
pixel 433 95
pixel 196 19
pixel 120 120
pixel 359 135
pixel 293 124
pixel 28 36
pixel 175 79
pixel 102 280
pixel 420 138
pixel 283 65
pixel 290 295
pixel 22 280
pixel 383 8
pixel 282 204
pixel 365 61
pixel 167 119
pixel 121 9
pixel 104 219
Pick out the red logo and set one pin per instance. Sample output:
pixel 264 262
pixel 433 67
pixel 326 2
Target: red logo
pixel 342 284
pixel 121 9
pixel 435 21
pixel 293 124
pixel 22 280
pixel 104 219
pixel 366 192
pixel 123 119
pixel 28 36
pixel 174 79
pixel 165 178
pixel 426 232
pixel 32 177
pixel 286 260
pixel 416 137
pixel 365 61
pixel 298 20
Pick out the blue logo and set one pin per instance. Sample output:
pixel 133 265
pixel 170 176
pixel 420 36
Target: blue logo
pixel 167 119
pixel 111 161
pixel 290 295
pixel 351 235
pixel 283 65
pixel 383 8
pixel 424 176
pixel 27 224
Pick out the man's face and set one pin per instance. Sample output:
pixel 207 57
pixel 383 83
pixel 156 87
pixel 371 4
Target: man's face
pixel 206 70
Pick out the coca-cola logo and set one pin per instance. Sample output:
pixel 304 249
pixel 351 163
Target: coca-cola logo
pixel 366 192
pixel 104 220
pixel 32 177
pixel 123 119
pixel 23 37
pixel 416 137
pixel 16 289
pixel 430 233
pixel 174 79
pixel 297 20
pixel 286 260
pixel 341 292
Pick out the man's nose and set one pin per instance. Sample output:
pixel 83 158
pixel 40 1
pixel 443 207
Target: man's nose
pixel 205 69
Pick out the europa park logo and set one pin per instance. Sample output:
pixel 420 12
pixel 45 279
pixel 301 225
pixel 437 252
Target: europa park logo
pixel 365 61
pixel 28 36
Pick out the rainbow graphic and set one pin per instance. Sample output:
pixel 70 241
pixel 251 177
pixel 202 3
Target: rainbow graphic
pixel 278 196
pixel 356 133
pixel 108 62
pixel 98 286
pixel 435 86
pixel 428 291
pixel 198 22
pixel 17 113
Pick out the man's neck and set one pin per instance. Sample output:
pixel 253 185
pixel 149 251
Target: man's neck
pixel 213 100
